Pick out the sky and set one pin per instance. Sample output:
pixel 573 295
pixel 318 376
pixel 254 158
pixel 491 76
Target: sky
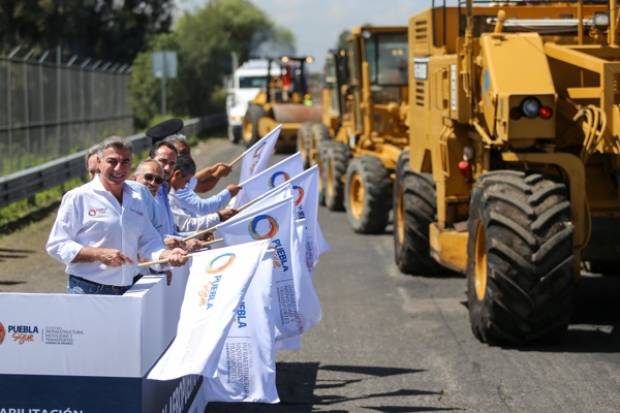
pixel 316 24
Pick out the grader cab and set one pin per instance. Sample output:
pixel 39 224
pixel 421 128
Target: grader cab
pixel 369 127
pixel 333 104
pixel 513 171
pixel 285 100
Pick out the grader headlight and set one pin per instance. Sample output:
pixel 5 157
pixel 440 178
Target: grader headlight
pixel 600 20
pixel 530 107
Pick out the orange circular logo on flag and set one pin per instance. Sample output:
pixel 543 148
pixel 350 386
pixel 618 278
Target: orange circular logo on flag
pixel 275 177
pixel 263 233
pixel 2 333
pixel 221 262
pixel 300 194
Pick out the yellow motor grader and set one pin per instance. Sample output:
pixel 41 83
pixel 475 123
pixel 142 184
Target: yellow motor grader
pixel 370 128
pixel 285 100
pixel 513 171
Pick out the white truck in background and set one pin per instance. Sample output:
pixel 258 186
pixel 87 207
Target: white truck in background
pixel 247 80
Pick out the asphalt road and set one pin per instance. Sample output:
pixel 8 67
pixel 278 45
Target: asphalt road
pixel 394 343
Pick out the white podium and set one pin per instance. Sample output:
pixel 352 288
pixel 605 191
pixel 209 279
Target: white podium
pixel 91 353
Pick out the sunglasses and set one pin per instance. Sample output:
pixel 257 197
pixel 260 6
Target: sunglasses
pixel 152 177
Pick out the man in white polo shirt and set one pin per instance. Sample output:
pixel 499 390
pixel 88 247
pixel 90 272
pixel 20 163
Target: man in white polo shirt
pixel 102 226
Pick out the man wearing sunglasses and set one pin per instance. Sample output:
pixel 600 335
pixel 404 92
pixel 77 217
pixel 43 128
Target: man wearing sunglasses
pixel 150 174
pixel 149 177
pixel 186 198
pixel 183 172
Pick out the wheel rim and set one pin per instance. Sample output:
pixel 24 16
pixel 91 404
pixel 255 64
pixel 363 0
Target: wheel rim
pixel 400 215
pixel 312 152
pixel 329 188
pixel 357 195
pixel 302 147
pixel 480 263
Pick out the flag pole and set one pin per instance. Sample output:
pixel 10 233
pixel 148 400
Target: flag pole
pixel 164 261
pixel 238 158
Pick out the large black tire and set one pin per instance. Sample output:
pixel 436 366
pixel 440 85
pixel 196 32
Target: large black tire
pixel 303 142
pixel 319 134
pixel 415 208
pixel 322 151
pixel 334 169
pixel 252 117
pixel 521 267
pixel 367 195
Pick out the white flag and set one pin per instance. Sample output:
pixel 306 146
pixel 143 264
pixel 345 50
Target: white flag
pixel 247 366
pixel 305 188
pixel 270 178
pixel 217 283
pixel 266 200
pixel 276 224
pixel 257 157
pixel 309 305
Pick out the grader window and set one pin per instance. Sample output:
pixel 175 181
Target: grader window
pixel 252 82
pixel 387 59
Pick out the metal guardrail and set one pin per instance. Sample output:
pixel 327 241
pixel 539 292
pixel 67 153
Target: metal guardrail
pixel 25 184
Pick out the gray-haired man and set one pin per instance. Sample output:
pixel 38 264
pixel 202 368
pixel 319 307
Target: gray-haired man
pixel 102 226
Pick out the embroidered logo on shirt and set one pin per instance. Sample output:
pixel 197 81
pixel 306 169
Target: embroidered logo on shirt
pixel 96 211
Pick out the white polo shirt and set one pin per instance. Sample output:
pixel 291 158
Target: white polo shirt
pixel 91 216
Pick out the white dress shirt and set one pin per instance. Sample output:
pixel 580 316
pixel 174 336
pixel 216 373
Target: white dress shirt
pixel 186 222
pixel 91 216
pixel 149 204
pixel 192 204
pixel 164 213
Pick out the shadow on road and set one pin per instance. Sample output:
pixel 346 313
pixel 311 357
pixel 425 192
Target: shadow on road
pixel 10 282
pixel 296 383
pixel 409 409
pixel 370 370
pixel 11 254
pixel 16 251
pixel 595 325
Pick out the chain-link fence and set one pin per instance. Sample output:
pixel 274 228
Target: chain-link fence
pixel 51 109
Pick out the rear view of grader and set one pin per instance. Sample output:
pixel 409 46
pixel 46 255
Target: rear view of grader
pixel 364 108
pixel 285 100
pixel 513 170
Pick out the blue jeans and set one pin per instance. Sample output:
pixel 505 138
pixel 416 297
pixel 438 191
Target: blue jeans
pixel 79 285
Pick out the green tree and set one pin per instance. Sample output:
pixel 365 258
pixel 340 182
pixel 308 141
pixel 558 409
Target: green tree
pixel 144 89
pixel 104 29
pixel 204 41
